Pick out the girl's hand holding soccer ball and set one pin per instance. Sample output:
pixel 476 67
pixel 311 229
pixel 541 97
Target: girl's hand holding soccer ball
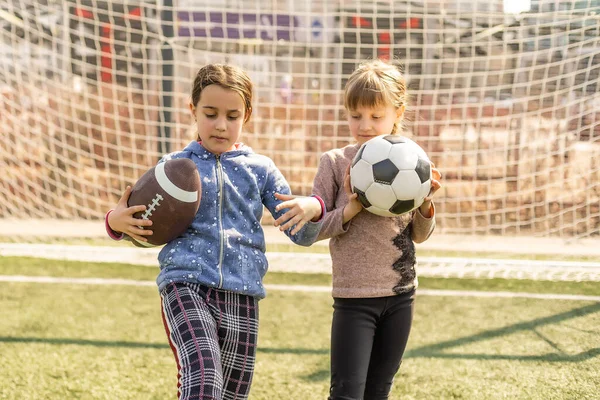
pixel 354 206
pixel 436 176
pixel 301 210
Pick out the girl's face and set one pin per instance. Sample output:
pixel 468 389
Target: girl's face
pixel 219 117
pixel 368 122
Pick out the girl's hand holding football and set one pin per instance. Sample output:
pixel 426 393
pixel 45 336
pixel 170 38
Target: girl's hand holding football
pixel 436 177
pixel 121 219
pixel 301 210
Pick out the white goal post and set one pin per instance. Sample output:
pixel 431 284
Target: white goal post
pixel 507 105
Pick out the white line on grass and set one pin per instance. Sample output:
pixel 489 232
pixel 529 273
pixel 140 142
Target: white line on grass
pixel 320 263
pixel 74 281
pixel 302 288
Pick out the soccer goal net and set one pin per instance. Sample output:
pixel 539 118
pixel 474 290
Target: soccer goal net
pixel 505 101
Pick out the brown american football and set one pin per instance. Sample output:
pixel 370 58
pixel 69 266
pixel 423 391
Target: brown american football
pixel 171 192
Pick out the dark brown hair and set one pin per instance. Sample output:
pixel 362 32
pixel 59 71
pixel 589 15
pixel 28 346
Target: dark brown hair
pixel 228 77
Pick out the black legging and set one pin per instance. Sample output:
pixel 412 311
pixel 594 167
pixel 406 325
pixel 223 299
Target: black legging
pixel 368 338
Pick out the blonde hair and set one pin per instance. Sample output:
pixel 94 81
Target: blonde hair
pixel 375 83
pixel 228 77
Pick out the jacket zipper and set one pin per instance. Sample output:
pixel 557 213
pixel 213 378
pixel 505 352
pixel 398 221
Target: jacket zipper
pixel 221 233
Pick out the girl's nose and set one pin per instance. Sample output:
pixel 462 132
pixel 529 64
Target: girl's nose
pixel 220 125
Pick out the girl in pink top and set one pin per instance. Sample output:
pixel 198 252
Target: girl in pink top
pixel 373 257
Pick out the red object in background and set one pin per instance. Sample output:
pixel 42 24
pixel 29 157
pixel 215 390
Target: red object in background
pixel 106 48
pixel 106 57
pixel 385 39
pixel 136 13
pixel 360 22
pixel 80 12
pixel 413 23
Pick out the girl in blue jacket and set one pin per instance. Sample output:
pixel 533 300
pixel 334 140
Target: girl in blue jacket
pixel 210 277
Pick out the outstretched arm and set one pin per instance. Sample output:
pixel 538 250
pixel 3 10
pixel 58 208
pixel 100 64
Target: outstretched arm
pixel 293 214
pixel 301 209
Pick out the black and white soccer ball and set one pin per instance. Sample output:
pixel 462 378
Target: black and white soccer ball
pixel 391 175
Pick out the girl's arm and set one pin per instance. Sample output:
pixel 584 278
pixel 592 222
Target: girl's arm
pixel 300 210
pixel 327 184
pixel 300 217
pixel 354 206
pixel 422 226
pixel 424 216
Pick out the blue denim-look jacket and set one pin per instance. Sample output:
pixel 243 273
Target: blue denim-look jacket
pixel 224 247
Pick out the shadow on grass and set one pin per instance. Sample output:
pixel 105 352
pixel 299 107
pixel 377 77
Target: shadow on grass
pixel 318 376
pixel 83 342
pixel 436 350
pixel 273 350
pixel 430 351
pixel 140 345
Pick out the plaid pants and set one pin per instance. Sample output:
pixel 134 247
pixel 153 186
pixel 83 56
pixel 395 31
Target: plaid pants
pixel 213 335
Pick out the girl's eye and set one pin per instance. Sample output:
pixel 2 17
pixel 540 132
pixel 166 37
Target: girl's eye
pixel 355 116
pixel 210 115
pixel 233 117
pixel 376 117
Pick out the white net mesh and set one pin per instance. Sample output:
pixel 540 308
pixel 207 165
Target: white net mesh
pixel 93 92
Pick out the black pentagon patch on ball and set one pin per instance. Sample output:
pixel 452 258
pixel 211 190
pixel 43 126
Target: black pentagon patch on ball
pixel 423 169
pixel 402 206
pixel 385 171
pixel 393 139
pixel 362 198
pixel 358 155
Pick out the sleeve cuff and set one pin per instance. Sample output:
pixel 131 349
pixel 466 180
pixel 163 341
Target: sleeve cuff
pixel 323 210
pixel 431 211
pixel 112 234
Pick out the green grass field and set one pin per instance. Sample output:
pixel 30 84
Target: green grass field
pixel 68 341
